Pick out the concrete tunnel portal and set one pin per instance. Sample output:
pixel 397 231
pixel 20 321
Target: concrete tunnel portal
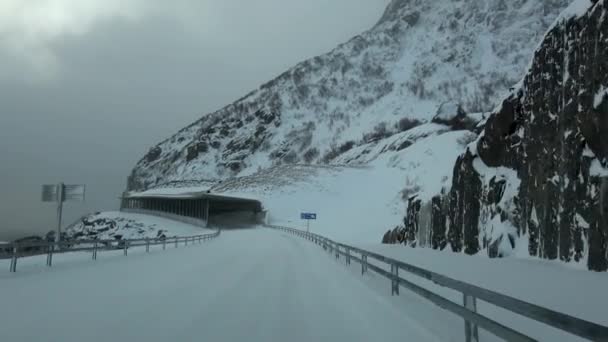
pixel 198 208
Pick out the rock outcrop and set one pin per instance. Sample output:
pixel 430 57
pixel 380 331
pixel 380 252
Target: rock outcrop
pixel 535 182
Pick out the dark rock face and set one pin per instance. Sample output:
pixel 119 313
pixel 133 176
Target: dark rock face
pixel 537 175
pixel 463 211
pixel 453 115
pixel 412 225
pixel 555 123
pixel 153 154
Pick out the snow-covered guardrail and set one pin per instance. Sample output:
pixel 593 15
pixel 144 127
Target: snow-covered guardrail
pixel 468 310
pixel 14 251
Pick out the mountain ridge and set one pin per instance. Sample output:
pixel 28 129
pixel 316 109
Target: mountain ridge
pixel 417 56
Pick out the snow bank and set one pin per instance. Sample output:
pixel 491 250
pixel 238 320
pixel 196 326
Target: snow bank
pixel 599 97
pixel 427 166
pixel 448 111
pixel 352 204
pixel 120 225
pixel 597 169
pixel 576 9
pixel 551 284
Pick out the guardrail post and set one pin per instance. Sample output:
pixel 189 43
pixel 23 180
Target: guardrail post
pixel 186 244
pixel 13 267
pixel 147 245
pixel 394 280
pixel 347 256
pixel 95 251
pixel 471 332
pixel 164 244
pixel 125 247
pixel 363 263
pixel 337 251
pixel 176 242
pixel 49 255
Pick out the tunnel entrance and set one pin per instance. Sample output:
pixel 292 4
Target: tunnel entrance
pixel 198 208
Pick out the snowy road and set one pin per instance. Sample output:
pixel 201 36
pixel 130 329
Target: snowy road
pixel 253 285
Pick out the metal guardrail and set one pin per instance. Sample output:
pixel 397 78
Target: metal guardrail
pixel 14 251
pixel 468 310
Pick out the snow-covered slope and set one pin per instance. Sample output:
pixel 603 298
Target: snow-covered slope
pixel 386 80
pixel 122 226
pixel 357 204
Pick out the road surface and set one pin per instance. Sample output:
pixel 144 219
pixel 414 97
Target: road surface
pixel 248 285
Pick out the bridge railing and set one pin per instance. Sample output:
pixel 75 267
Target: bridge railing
pixel 14 251
pixel 470 293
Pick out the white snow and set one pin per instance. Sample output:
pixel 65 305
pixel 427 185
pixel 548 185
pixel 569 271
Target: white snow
pixel 597 169
pixel 355 204
pixel 265 285
pixel 447 111
pixel 587 152
pixel 133 226
pixel 542 282
pixel 581 222
pixel 427 166
pixel 359 204
pixel 599 97
pixel 576 9
pixel 250 285
pixel 465 51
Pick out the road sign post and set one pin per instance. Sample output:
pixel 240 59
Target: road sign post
pixel 308 217
pixel 60 193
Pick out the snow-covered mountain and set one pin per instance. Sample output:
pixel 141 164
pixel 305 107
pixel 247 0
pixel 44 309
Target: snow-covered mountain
pixel 384 81
pixel 398 122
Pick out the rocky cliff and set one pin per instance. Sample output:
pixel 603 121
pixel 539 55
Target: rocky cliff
pixel 535 182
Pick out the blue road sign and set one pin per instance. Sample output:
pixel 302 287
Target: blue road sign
pixel 308 216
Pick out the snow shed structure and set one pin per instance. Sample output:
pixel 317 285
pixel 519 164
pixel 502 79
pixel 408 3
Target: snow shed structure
pixel 200 208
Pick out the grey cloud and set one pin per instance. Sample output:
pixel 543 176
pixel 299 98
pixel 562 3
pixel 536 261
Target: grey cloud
pixel 129 80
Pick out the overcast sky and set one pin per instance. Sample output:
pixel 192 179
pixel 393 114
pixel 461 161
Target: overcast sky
pixel 87 86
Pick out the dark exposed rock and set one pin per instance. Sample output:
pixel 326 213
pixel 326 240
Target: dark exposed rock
pixel 538 173
pixel 336 151
pixel 395 236
pixel 191 153
pixel 453 115
pixel 536 164
pixel 463 210
pixel 153 154
pixel 380 132
pixel 311 155
pixel 438 224
pixel 412 221
pixel 406 124
pixel 386 237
